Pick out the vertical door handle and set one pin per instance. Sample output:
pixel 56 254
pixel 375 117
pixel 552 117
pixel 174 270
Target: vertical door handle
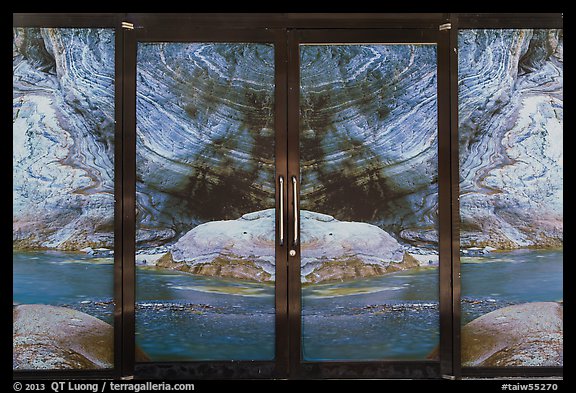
pixel 296 215
pixel 281 224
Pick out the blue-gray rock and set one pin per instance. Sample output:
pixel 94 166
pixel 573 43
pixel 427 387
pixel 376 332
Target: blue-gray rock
pixel 63 138
pixel 368 140
pixel 205 137
pixel 511 138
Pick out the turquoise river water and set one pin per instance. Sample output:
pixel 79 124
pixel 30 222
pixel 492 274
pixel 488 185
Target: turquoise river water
pixel 185 317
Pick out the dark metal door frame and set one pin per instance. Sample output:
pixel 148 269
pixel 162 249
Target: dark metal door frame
pixel 387 368
pixel 486 21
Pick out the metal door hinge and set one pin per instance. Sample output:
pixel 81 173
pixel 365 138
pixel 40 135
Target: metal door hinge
pixel 128 25
pixel 445 26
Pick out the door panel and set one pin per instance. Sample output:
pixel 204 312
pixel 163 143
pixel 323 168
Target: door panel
pixel 63 198
pixel 205 200
pixel 368 198
pixel 511 204
pixel 368 130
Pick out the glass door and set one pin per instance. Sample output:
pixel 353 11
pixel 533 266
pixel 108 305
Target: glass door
pixel 208 262
pixel 284 196
pixel 366 260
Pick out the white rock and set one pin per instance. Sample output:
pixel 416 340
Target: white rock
pixel 323 240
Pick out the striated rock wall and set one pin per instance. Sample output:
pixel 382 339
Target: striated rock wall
pixel 205 135
pixel 63 138
pixel 368 140
pixel 511 138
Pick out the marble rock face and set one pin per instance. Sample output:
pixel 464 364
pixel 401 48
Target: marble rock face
pixel 63 138
pixel 511 137
pixel 368 135
pixel 245 248
pixel 205 135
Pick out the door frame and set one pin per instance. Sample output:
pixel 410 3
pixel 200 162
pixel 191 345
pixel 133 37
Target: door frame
pixel 491 21
pixel 276 368
pixel 384 368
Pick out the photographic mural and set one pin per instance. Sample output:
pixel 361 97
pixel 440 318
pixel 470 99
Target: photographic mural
pixel 511 204
pixel 369 200
pixel 205 201
pixel 63 198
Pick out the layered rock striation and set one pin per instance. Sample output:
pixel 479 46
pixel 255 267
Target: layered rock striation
pixel 63 138
pixel 511 138
pixel 206 136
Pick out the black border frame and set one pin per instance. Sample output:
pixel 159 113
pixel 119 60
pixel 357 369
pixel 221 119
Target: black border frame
pixel 284 27
pixel 112 21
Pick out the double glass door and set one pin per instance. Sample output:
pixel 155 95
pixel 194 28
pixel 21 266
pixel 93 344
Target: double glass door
pixel 287 201
pixel 206 202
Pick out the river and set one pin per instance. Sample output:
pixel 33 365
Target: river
pixel 185 317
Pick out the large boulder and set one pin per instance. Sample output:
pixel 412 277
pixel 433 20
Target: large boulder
pixel 50 337
pixel 245 249
pixel 242 248
pixel 334 250
pixel 529 334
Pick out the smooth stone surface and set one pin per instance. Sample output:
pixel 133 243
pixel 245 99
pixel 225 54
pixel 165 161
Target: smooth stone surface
pixel 245 249
pixel 50 337
pixel 529 334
